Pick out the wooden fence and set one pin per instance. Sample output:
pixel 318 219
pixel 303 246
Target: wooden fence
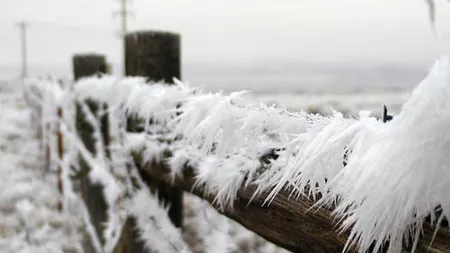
pixel 288 223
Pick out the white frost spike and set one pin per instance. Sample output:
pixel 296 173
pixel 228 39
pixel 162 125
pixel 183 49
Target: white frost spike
pixel 226 178
pixel 178 162
pixel 155 227
pixel 183 86
pixel 402 173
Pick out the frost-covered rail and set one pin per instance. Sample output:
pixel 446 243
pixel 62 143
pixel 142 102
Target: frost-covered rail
pixel 294 225
pixel 396 175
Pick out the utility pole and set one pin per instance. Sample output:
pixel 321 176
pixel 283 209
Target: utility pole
pixel 123 13
pixel 124 16
pixel 23 36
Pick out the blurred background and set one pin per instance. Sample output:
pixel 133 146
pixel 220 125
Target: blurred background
pixel 315 55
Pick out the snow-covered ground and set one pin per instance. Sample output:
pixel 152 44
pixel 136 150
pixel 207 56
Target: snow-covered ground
pixel 29 219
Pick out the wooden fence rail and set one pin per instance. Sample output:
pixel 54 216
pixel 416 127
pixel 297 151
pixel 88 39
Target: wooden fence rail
pixel 286 222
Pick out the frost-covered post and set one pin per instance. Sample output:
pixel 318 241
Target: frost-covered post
pixel 156 55
pixel 88 65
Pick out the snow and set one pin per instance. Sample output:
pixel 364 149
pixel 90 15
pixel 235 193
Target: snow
pixel 396 172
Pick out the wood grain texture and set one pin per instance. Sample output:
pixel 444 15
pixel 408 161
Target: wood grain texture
pixel 286 222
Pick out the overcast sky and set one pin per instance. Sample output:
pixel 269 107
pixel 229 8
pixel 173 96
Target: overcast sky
pixel 340 31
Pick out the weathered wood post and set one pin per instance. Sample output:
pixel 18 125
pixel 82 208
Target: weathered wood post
pixel 156 55
pixel 88 65
pixel 83 66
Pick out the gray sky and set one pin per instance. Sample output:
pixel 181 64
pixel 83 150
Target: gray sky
pixel 362 32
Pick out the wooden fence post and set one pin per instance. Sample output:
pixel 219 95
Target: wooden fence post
pixel 83 66
pixel 86 65
pixel 156 55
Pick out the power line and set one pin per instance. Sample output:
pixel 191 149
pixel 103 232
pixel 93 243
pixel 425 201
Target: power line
pixel 23 36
